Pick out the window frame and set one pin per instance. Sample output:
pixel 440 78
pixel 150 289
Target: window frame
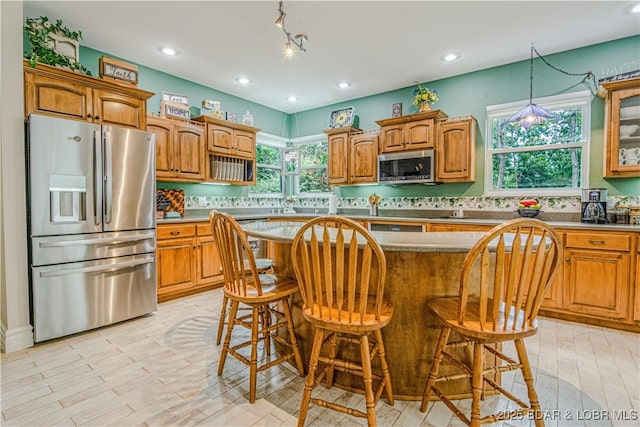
pixel 581 99
pixel 296 142
pixel 270 141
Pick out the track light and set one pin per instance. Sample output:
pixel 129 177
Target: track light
pixel 298 40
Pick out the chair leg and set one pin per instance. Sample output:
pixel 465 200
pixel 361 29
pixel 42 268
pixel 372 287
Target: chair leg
pixel 223 317
pixel 333 345
pixel 367 376
pixel 528 379
pixel 292 337
pixel 477 383
pixel 311 376
pixel 227 338
pixel 253 363
pixel 266 323
pixel 385 367
pixel 435 366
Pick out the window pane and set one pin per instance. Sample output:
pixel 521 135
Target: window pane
pixel 267 155
pixel 558 168
pixel 314 181
pixel 268 181
pixel 567 128
pixel 314 154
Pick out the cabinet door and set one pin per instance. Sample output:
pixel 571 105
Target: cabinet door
pixel 189 142
pixel 176 266
pixel 622 156
pixel 245 144
pixel 209 267
pixel 597 283
pixel 392 138
pixel 57 97
pixel 363 158
pixel 338 156
pixel 455 153
pixel 219 139
pixel 164 146
pixel 120 110
pixel 420 134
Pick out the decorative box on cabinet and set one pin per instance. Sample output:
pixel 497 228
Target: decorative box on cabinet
pixel 231 151
pixel 187 260
pixel 622 129
pixel 456 151
pixel 353 156
pixel 180 149
pixel 58 92
pixel 414 132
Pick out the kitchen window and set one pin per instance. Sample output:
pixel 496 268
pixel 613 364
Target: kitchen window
pixel 313 178
pixel 550 158
pixel 268 167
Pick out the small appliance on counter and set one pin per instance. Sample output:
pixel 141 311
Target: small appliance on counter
pixel 594 206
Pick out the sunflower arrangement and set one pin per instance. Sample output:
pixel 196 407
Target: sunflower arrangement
pixel 423 94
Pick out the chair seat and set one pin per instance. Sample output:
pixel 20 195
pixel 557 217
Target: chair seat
pixel 446 309
pixel 274 288
pixel 334 319
pixel 262 264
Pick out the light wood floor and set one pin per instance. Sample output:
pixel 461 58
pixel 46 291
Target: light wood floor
pixel 161 370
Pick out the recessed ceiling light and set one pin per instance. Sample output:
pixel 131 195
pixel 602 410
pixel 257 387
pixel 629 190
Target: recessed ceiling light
pixel 636 8
pixel 450 57
pixel 169 51
pixel 292 99
pixel 344 85
pixel 243 80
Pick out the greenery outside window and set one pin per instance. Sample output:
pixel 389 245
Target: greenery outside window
pixel 314 154
pixel 268 169
pixel 550 158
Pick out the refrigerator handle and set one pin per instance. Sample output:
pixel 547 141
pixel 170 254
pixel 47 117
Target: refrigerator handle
pixel 97 177
pixel 108 178
pixel 97 268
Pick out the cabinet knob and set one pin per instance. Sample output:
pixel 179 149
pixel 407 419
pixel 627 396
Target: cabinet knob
pixel 175 233
pixel 567 259
pixel 89 115
pixel 97 117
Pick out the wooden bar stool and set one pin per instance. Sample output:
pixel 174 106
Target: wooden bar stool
pixel 259 292
pixel 341 271
pixel 517 261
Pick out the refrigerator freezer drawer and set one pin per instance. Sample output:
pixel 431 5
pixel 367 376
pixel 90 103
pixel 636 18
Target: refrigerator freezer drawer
pixel 75 297
pixel 86 247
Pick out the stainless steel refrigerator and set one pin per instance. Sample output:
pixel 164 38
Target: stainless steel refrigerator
pixel 91 225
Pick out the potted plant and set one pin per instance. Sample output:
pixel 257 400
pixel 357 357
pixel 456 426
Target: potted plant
pixel 423 97
pixel 53 44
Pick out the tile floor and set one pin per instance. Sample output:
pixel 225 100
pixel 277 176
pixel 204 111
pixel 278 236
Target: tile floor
pixel 161 370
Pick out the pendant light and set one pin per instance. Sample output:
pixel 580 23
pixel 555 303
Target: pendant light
pixel 297 41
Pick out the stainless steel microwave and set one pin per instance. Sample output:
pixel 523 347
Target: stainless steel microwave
pixel 411 167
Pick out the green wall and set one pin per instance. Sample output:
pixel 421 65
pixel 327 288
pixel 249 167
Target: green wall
pixel 465 94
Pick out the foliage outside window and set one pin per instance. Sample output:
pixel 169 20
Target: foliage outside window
pixel 268 170
pixel 313 178
pixel 550 158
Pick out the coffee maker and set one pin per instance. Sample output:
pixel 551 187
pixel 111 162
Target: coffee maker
pixel 594 205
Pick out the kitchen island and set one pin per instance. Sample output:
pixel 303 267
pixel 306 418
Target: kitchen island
pixel 420 266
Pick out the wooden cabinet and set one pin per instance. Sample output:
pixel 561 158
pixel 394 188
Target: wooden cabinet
pixel 456 151
pixel 57 92
pixel 636 287
pixel 597 274
pixel 180 149
pixel 231 151
pixel 622 129
pixel 458 227
pixel 187 260
pixel 414 132
pixel 353 156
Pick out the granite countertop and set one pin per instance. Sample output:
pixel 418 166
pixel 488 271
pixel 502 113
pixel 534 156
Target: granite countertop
pixel 201 216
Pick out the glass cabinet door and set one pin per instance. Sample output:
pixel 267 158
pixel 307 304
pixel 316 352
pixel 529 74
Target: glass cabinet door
pixel 622 129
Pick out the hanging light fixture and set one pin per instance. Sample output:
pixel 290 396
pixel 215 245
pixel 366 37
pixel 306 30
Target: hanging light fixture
pixel 532 114
pixel 298 40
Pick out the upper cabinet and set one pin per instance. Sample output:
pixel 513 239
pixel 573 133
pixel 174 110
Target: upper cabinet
pixel 353 156
pixel 180 149
pixel 230 153
pixel 58 92
pixel 456 151
pixel 622 129
pixel 414 132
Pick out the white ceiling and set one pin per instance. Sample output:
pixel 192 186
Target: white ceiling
pixel 377 46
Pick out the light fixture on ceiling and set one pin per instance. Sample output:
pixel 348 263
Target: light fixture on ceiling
pixel 636 8
pixel 169 51
pixel 243 80
pixel 532 114
pixel 344 85
pixel 297 40
pixel 450 57
pixel 292 99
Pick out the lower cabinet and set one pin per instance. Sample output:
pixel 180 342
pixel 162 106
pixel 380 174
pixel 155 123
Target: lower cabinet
pixel 187 260
pixel 636 311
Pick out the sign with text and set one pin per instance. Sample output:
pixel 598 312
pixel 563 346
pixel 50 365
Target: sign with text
pixel 118 71
pixel 174 97
pixel 175 110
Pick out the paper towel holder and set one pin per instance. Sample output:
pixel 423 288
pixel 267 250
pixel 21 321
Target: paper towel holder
pixel 333 205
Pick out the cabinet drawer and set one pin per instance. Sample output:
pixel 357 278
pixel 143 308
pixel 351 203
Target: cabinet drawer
pixel 176 230
pixel 204 229
pixel 609 242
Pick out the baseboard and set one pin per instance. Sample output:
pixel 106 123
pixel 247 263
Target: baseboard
pixel 15 339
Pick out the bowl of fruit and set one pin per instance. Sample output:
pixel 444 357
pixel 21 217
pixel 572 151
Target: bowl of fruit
pixel 529 208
